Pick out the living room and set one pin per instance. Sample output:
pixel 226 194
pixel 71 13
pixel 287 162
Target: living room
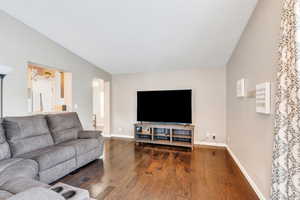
pixel 149 100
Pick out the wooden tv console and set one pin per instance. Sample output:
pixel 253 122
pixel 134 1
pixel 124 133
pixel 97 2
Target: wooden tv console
pixel 165 134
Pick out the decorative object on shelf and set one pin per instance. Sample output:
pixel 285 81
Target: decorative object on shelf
pixel 165 134
pixel 241 88
pixel 4 70
pixel 263 98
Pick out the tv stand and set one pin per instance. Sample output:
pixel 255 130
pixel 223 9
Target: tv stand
pixel 164 134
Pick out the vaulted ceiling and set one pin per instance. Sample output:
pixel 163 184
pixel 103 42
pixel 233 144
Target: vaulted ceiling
pixel 128 36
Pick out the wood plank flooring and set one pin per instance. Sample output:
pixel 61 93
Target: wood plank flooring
pixel 147 172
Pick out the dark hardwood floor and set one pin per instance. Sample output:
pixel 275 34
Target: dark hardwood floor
pixel 147 172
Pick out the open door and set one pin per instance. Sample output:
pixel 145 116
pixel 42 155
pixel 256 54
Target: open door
pixel 101 105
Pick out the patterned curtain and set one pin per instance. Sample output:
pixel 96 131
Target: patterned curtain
pixel 286 156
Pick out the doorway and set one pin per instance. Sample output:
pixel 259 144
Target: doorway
pixel 49 90
pixel 101 105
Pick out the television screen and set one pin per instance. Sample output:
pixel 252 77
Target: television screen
pixel 170 106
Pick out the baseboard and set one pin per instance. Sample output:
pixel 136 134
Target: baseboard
pixel 106 135
pixel 122 136
pixel 213 144
pixel 249 179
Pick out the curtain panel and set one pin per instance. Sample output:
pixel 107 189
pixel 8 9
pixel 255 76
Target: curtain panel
pixel 286 153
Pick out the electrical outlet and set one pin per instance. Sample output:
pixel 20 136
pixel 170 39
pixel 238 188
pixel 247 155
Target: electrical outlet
pixel 214 137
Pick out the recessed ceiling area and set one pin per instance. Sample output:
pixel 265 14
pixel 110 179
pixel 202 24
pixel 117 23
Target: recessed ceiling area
pixel 129 36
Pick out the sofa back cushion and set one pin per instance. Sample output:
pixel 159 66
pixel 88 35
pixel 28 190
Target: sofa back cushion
pixel 26 134
pixel 64 126
pixel 4 147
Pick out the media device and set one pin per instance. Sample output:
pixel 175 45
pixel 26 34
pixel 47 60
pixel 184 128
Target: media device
pixel 168 106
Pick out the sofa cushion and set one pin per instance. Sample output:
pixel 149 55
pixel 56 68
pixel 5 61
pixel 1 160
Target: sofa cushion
pixel 18 185
pixel 17 168
pixel 88 157
pixel 58 171
pixel 82 145
pixel 4 194
pixel 91 134
pixel 64 126
pixel 50 156
pixel 4 147
pixel 26 134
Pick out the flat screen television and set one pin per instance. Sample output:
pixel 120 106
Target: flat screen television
pixel 167 106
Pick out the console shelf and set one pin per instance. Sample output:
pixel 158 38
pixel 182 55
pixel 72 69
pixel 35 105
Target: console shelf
pixel 165 134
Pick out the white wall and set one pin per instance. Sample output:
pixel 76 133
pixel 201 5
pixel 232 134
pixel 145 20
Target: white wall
pixel 208 86
pixel 256 59
pixel 21 44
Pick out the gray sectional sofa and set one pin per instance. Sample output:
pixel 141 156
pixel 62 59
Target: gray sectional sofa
pixel 38 150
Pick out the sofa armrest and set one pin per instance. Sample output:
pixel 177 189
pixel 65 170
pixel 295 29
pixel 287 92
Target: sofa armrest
pixel 90 134
pixel 37 194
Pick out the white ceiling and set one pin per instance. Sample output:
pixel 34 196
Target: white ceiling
pixel 127 36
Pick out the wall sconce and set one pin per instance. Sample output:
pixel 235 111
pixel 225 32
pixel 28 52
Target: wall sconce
pixel 263 98
pixel 241 89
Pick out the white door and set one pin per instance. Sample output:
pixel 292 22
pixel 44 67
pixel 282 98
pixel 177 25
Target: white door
pixel 101 105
